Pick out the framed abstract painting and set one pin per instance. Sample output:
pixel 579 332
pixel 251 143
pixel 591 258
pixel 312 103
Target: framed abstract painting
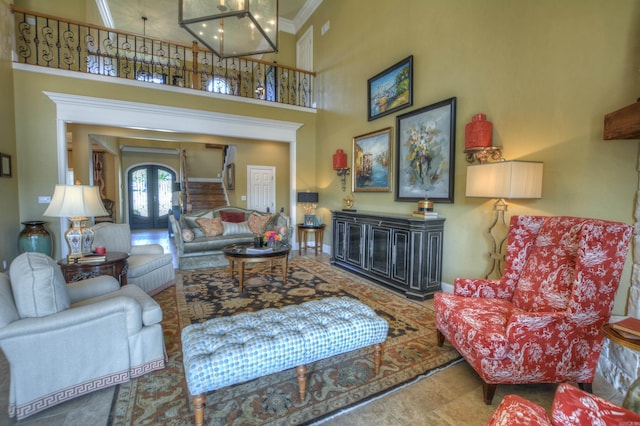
pixel 425 149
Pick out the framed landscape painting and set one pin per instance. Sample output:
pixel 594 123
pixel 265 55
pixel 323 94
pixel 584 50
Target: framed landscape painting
pixel 391 90
pixel 425 148
pixel 372 162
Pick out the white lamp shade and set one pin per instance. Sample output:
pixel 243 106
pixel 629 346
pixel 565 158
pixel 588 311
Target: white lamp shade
pixel 505 179
pixel 76 201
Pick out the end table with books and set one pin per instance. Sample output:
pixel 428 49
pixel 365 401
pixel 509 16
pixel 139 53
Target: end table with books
pixel 114 264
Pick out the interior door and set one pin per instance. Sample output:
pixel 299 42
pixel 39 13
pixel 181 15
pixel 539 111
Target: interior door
pixel 262 188
pixel 150 196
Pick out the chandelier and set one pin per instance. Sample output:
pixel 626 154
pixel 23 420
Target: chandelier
pixel 232 28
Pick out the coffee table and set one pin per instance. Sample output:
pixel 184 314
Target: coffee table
pixel 238 255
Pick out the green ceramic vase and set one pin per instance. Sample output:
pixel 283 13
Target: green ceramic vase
pixel 35 238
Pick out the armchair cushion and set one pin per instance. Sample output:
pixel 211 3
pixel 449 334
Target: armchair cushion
pixel 142 264
pixel 38 285
pixel 92 287
pixel 547 278
pixel 115 237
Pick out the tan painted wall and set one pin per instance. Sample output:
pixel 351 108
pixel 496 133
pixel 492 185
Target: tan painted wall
pixel 9 219
pixel 545 73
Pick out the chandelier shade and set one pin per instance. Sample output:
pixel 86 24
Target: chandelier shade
pixel 232 28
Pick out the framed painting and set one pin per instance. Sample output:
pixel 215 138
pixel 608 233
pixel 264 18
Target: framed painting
pixel 425 149
pixel 391 90
pixel 372 162
pixel 231 176
pixel 5 165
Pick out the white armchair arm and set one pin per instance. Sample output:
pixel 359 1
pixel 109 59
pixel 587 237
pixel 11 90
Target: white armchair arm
pixel 92 287
pixel 75 319
pixel 147 249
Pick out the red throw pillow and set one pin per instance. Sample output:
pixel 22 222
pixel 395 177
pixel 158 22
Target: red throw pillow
pixel 233 217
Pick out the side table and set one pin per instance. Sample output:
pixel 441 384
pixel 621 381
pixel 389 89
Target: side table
pixel 318 232
pixel 632 398
pixel 115 265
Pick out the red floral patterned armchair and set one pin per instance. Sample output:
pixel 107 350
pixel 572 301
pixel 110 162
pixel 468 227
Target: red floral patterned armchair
pixel 571 406
pixel 541 322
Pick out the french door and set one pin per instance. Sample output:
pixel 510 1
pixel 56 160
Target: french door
pixel 150 196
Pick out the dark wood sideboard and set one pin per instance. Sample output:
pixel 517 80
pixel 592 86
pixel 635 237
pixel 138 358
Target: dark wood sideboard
pixel 402 252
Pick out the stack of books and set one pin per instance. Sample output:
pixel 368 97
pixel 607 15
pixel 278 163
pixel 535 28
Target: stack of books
pixel 92 257
pixel 628 328
pixel 425 214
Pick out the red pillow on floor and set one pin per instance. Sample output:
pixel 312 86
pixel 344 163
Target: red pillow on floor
pixel 233 217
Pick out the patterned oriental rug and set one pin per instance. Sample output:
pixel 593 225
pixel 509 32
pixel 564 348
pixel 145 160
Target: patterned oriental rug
pixel 333 384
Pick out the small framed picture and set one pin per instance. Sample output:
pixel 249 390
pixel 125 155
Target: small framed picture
pixel 231 176
pixel 5 165
pixel 309 220
pixel 391 90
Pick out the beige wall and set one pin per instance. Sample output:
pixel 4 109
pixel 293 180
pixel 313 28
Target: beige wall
pixel 9 219
pixel 545 73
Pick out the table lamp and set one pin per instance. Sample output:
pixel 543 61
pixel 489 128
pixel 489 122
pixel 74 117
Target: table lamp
pixel 77 202
pixel 309 201
pixel 500 180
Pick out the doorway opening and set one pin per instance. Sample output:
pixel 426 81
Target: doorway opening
pixel 149 193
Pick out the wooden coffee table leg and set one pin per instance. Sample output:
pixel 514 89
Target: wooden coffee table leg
pixel 284 270
pixel 231 268
pixel 241 275
pixel 377 359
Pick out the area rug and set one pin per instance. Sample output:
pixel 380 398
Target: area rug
pixel 333 384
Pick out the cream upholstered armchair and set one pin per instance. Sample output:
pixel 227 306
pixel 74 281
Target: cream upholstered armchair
pixel 150 268
pixel 541 322
pixel 63 341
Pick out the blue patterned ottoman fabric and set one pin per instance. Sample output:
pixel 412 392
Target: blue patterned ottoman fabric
pixel 225 351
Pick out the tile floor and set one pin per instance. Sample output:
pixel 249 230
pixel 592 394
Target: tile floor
pixel 452 396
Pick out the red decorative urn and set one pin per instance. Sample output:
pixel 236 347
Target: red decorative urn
pixel 478 133
pixel 339 160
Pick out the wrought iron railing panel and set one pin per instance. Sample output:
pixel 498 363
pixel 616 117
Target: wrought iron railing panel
pixel 57 43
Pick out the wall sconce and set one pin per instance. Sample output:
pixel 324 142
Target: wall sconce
pixel 340 166
pixel 309 201
pixel 500 180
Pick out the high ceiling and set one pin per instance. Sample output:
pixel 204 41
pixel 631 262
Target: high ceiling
pixel 162 17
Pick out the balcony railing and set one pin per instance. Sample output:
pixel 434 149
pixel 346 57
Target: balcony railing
pixel 53 42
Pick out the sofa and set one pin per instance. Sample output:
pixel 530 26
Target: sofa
pixel 149 267
pixel 200 236
pixel 571 406
pixel 66 340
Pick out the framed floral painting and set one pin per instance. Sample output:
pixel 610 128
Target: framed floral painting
pixel 425 149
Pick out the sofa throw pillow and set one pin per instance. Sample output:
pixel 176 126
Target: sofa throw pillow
pixel 187 235
pixel 38 285
pixel 258 223
pixel 230 216
pixel 211 227
pixel 232 228
pixel 191 221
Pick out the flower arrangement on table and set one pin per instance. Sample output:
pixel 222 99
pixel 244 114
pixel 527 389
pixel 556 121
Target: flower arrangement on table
pixel 272 238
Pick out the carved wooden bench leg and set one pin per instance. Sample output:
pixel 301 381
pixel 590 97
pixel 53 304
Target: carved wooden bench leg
pixel 440 338
pixel 198 408
pixel 377 357
pixel 302 381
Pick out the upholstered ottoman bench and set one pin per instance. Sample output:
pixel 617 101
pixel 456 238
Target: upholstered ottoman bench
pixel 230 350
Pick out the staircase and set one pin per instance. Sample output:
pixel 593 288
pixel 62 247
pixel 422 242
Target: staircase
pixel 206 195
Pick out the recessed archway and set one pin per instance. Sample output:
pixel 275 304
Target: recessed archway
pixel 115 113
